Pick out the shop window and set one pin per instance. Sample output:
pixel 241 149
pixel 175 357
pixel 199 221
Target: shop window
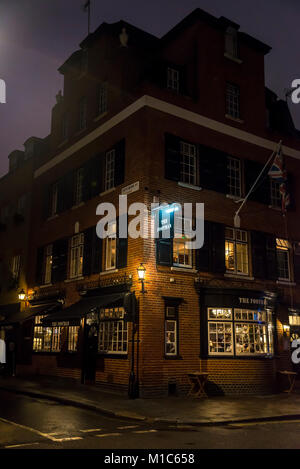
pixel 111 247
pixel 171 331
pixel 236 251
pixel 113 331
pixel 283 259
pixel 109 181
pixel 76 255
pixel 240 332
pixel 173 79
pixel 52 339
pixel 234 182
pixel 233 101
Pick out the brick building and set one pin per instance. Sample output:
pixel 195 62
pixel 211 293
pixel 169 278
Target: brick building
pixel 181 119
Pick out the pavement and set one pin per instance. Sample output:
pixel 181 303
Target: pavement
pixel 170 410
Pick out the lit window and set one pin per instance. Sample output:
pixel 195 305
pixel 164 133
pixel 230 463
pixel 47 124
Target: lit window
pixel 78 191
pixel 76 256
pixel 73 333
pixel 188 165
pixel 233 100
pixel 231 42
pixel 82 113
pixel 234 177
pixel 173 79
pixel 236 251
pixel 48 264
pixel 102 99
pixel 111 247
pixel 171 331
pixel 52 338
pixel 253 332
pixel 283 259
pixel 113 332
pixel 276 199
pixel 294 320
pixel 109 182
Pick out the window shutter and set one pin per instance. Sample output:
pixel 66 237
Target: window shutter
pixel 271 258
pixel 164 251
pixel 203 254
pixel 87 252
pixel 172 157
pixel 120 163
pixel 217 248
pixel 59 260
pixel 212 169
pixel 97 253
pixel 297 262
pixel 46 205
pixel 96 175
pixel 258 243
pixel 262 192
pixel 39 266
pixel 122 247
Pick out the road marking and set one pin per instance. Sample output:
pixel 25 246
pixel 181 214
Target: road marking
pixel 71 438
pixel 24 427
pixel 145 431
pixel 21 445
pixel 251 424
pixel 108 434
pixel 91 430
pixel 127 427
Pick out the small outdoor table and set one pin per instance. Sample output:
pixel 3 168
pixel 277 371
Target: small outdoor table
pixel 291 377
pixel 197 381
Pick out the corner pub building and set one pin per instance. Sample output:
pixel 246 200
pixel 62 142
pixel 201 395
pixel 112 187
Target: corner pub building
pixel 184 118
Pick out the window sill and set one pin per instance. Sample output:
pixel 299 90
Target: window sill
pixel 233 58
pixel 286 283
pixel 100 116
pixel 175 357
pixel 235 198
pixel 190 270
pixel 277 209
pixel 78 205
pixel 46 285
pixel 235 119
pixel 112 271
pixel 238 276
pixel 189 186
pixel 102 194
pixel 69 280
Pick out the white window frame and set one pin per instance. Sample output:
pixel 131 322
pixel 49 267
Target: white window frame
pixel 239 237
pixel 283 246
pixel 233 104
pixel 173 79
pixel 188 163
pixel 234 176
pixel 110 244
pixel 73 337
pixel 110 163
pixel 76 255
pixel 276 198
pixel 167 338
pixel 113 332
pixel 231 42
pixel 78 193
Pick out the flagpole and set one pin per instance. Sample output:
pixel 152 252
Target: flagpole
pixel 237 221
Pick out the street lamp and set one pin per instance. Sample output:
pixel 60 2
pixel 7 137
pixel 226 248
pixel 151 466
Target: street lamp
pixel 141 273
pixel 22 295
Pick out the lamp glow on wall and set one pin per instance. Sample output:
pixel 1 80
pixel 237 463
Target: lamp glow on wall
pixel 141 274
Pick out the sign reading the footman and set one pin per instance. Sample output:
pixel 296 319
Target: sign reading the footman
pixel 253 301
pixel 131 188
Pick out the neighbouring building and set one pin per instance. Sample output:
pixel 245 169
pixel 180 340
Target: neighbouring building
pixel 181 119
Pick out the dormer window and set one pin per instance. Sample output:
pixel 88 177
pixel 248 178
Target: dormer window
pixel 173 79
pixel 231 42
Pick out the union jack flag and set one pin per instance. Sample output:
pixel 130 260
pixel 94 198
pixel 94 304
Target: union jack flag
pixel 279 174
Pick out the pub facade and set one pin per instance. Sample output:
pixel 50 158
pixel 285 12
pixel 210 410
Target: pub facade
pixel 141 312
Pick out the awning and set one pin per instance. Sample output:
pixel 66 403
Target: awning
pixel 73 314
pixel 21 316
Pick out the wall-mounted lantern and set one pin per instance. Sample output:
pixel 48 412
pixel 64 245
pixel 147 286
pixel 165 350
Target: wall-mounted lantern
pixel 141 273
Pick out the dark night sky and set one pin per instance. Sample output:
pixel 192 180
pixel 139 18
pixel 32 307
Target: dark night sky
pixel 36 36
